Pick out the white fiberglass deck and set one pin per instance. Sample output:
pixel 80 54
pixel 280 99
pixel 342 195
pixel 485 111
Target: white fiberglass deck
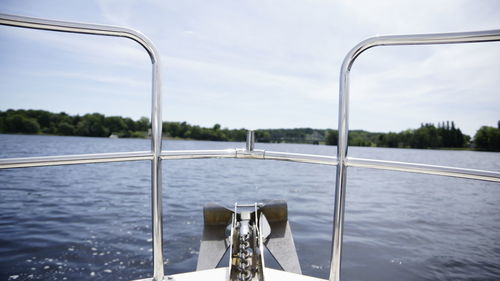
pixel 221 274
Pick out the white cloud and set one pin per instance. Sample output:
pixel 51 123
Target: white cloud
pixel 431 90
pixel 89 47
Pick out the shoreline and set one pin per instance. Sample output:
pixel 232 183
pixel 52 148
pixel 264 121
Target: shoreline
pixel 284 142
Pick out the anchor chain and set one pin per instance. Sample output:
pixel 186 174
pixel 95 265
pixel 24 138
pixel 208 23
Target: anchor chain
pixel 245 271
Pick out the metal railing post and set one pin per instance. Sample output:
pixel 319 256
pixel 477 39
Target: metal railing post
pixel 340 181
pixel 157 219
pixel 250 143
pixel 156 176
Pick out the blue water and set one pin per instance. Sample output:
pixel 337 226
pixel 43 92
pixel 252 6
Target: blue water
pixel 92 222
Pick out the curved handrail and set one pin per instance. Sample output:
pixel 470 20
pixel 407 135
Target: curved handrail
pixel 156 123
pixel 82 28
pixel 343 127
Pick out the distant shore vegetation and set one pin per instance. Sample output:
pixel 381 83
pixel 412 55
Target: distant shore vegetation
pixel 444 135
pixel 429 136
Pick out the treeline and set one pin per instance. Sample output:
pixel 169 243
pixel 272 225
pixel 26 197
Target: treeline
pixel 89 125
pixel 444 135
pixel 183 130
pixel 99 125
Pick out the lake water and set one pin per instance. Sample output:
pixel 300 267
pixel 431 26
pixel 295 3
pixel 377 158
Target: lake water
pixel 92 222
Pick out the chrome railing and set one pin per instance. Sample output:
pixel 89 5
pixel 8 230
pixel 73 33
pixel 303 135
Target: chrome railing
pixel 342 161
pixel 156 123
pixel 343 127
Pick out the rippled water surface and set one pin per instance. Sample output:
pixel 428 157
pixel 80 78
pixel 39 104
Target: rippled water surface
pixel 92 222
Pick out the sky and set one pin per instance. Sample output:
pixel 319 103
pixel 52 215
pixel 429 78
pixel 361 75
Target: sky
pixel 257 64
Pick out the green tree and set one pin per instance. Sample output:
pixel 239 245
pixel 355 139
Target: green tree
pixel 65 129
pixel 18 123
pixel 115 124
pixel 332 137
pixel 143 124
pixel 260 136
pixel 82 128
pixel 183 128
pixel 487 138
pixel 130 124
pixel 95 125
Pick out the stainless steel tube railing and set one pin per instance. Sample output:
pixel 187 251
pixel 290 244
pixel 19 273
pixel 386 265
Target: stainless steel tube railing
pixel 247 154
pixel 471 174
pixel 156 123
pixel 343 127
pixel 39 161
pixel 257 154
